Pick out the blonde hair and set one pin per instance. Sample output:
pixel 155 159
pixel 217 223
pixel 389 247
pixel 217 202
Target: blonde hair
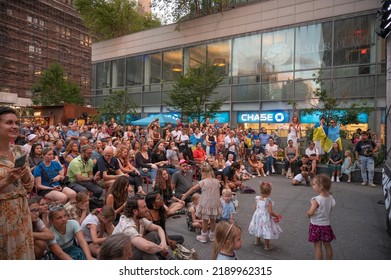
pixel 349 153
pixel 225 233
pixel 227 192
pixel 265 187
pixel 206 170
pixel 195 196
pixel 323 181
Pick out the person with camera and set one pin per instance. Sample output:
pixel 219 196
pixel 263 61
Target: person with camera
pixel 365 150
pixel 80 173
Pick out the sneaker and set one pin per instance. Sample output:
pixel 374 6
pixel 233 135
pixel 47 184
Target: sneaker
pixel 364 183
pixel 181 212
pixel 202 237
pixel 273 170
pixel 338 180
pixel 371 185
pixel 267 173
pixel 348 181
pixel 212 236
pixel 332 179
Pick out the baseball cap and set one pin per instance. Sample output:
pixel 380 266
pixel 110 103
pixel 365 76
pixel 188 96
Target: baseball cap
pixel 182 161
pixel 31 137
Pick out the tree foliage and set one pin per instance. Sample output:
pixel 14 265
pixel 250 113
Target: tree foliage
pixel 115 18
pixel 117 105
pixel 54 89
pixel 179 10
pixel 194 93
pixel 340 108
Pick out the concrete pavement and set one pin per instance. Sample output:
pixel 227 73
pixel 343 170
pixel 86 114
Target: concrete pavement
pixel 358 222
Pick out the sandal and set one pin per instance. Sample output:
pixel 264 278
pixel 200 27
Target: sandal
pixel 258 242
pixel 269 248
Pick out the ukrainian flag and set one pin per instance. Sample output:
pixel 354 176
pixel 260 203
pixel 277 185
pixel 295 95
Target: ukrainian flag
pixel 333 136
pixel 320 135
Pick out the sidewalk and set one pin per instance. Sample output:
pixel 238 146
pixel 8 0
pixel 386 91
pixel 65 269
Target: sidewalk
pixel 357 220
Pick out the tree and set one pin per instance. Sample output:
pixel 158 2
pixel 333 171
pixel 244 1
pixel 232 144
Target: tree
pixel 193 93
pixel 115 18
pixel 180 10
pixel 320 101
pixel 117 105
pixel 54 89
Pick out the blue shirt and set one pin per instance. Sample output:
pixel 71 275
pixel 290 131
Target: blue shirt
pixel 228 208
pixel 52 171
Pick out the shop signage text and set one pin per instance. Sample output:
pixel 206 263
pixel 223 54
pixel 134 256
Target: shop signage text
pixel 265 116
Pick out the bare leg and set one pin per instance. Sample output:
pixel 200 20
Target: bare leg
pixel 329 250
pixel 318 250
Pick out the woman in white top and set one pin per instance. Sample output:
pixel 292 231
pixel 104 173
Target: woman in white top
pixel 271 156
pixel 294 130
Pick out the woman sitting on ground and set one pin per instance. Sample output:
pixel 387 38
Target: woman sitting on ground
pixel 157 214
pixel 160 159
pixel 256 165
pixel 48 175
pixel 127 168
pixel 35 156
pixel 117 196
pixel 41 233
pixel 172 204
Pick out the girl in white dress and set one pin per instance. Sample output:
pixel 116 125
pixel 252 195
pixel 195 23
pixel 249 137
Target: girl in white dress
pixel 264 221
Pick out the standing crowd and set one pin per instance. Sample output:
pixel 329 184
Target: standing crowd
pixel 105 191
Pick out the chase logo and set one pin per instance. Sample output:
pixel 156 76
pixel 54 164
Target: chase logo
pixel 277 116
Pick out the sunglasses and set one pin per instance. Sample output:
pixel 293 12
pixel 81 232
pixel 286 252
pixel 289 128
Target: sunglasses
pixel 55 208
pixel 34 211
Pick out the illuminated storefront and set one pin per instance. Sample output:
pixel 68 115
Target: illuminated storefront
pixel 266 70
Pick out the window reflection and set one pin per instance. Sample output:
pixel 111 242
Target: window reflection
pixel 313 46
pixel 103 75
pixel 277 51
pixel 172 64
pixel 134 73
pixel 194 56
pixel 152 68
pixel 118 73
pixel 219 55
pixel 354 41
pixel 246 55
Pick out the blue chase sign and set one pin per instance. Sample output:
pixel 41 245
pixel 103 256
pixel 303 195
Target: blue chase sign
pixel 275 116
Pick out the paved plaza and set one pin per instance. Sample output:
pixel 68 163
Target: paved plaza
pixel 358 221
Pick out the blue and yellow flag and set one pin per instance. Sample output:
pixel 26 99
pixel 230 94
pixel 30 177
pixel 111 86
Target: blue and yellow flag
pixel 333 136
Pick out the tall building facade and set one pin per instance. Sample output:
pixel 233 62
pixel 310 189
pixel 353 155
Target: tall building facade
pixel 269 52
pixel 33 35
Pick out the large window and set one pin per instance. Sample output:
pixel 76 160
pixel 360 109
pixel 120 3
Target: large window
pixel 134 70
pixel 219 54
pixel 194 56
pixel 355 41
pixel 103 75
pixel 153 63
pixel 246 56
pixel 118 73
pixel 313 46
pixel 172 65
pixel 277 51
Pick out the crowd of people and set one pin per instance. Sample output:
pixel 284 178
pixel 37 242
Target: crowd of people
pixel 142 176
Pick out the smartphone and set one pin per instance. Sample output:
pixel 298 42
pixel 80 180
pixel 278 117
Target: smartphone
pixel 20 161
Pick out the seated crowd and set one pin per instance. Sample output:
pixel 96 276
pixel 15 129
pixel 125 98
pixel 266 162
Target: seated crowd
pixel 142 177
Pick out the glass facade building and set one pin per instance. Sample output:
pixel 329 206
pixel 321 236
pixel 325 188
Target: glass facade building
pixel 265 70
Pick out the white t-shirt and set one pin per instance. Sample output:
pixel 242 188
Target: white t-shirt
pixel 91 219
pixel 128 226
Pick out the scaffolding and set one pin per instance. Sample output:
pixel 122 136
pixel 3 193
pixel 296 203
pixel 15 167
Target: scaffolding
pixel 33 35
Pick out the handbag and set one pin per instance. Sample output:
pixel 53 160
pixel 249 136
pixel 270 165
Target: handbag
pixel 182 253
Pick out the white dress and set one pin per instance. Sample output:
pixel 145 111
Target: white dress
pixel 292 135
pixel 262 224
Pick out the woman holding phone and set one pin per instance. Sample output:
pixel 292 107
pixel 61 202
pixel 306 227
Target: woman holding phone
pixel 16 232
pixel 48 175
